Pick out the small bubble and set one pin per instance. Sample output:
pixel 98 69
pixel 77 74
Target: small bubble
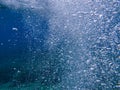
pixel 15 29
pixel 14 68
pixel 1 44
pixel 97 80
pixel 9 40
pixel 70 51
pixel 91 68
pixel 100 15
pixel 18 71
pixel 118 46
pixel 103 84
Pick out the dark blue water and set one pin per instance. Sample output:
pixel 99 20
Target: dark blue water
pixel 14 45
pixel 12 41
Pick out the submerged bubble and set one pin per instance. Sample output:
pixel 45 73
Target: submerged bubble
pixel 15 29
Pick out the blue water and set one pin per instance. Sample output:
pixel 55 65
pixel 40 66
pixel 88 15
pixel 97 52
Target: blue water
pixel 13 42
pixel 71 46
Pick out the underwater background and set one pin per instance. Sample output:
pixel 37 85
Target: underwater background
pixel 59 45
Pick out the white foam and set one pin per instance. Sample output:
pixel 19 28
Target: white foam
pixel 34 4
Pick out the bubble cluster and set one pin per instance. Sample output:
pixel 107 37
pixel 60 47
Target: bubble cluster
pixel 74 43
